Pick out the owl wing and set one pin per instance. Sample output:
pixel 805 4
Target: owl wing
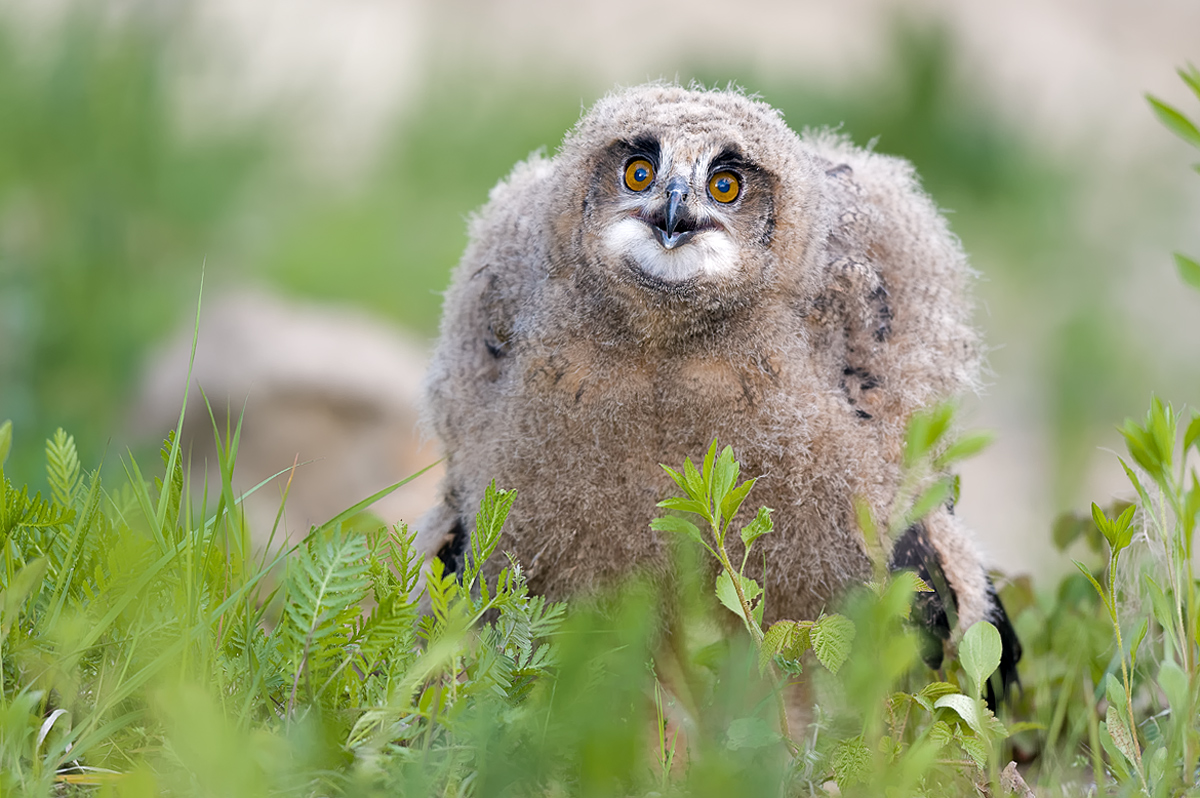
pixel 505 259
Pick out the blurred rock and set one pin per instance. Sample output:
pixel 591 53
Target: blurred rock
pixel 323 387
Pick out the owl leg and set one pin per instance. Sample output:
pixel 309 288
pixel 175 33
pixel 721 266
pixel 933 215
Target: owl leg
pixel 937 550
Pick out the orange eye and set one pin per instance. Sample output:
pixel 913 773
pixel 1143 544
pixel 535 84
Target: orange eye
pixel 724 187
pixel 639 174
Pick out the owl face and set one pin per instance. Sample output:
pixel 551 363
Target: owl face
pixel 677 209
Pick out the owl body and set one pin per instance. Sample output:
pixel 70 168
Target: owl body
pixel 687 268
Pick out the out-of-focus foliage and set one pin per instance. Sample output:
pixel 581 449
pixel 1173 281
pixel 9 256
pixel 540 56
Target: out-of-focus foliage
pixel 107 211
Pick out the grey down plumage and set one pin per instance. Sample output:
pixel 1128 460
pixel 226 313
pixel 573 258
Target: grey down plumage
pixel 596 328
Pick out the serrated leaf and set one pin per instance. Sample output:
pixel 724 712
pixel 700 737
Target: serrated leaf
pixel 979 652
pixel 1175 121
pixel 974 748
pixel 850 761
pixel 1189 270
pixel 939 734
pixel 753 732
pixel 774 641
pixel 1121 736
pixel 965 707
pixel 912 582
pixel 832 637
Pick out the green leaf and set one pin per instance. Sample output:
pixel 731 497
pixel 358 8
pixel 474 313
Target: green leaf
pixel 733 501
pixel 753 732
pixel 939 734
pixel 709 457
pixel 832 637
pixel 1191 76
pixel 968 445
pixel 728 595
pixel 684 505
pixel 965 707
pixel 1174 684
pixel 5 441
pixel 761 525
pixel 979 653
pixel 1189 270
pixel 931 692
pixel 681 526
pixel 694 485
pixel 1175 121
pixel 1137 642
pixel 974 748
pixel 850 761
pixel 932 498
pixel 62 468
pixel 725 474
pixel 676 476
pixel 1099 590
pixel 1122 738
pixel 1114 693
pixel 23 583
pixel 1163 609
pixel 1190 438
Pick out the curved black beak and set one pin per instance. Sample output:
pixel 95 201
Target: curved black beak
pixel 677 191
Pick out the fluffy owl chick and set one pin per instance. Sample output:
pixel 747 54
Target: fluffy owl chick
pixel 687 267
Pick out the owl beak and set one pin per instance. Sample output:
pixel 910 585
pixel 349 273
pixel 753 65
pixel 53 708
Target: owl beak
pixel 665 227
pixel 677 191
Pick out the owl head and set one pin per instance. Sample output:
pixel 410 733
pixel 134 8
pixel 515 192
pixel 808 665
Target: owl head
pixel 685 201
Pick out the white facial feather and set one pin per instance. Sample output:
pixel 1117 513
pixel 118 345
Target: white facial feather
pixel 709 254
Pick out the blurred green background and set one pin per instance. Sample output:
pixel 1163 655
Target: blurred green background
pixel 114 197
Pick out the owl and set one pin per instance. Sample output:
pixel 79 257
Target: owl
pixel 684 268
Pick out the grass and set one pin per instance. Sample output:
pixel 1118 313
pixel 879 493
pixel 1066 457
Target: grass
pixel 145 649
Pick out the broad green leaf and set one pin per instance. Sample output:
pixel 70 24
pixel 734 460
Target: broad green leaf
pixel 1191 76
pixel 1116 758
pixel 832 637
pixel 728 595
pixel 914 583
pixel 681 526
pixel 1189 270
pixel 753 732
pixel 21 586
pixel 931 692
pixel 1121 736
pixel 1174 684
pixel 1114 693
pixel 760 526
pixel 774 641
pixel 850 761
pixel 979 653
pixel 965 707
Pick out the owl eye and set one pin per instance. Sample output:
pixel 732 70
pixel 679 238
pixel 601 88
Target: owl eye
pixel 724 187
pixel 639 174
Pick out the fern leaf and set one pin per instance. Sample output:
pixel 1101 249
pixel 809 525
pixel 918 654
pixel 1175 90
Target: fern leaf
pixel 62 468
